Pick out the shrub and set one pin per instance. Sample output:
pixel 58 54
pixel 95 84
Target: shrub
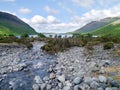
pixel 24 35
pixel 108 45
pixel 118 53
pixel 89 46
pixel 41 35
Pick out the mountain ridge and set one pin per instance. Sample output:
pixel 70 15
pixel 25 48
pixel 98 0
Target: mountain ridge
pixel 11 24
pixel 96 24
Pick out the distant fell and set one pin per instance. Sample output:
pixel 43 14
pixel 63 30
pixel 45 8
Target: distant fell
pixel 10 24
pixel 94 25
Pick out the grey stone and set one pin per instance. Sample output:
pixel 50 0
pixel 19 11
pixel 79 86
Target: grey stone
pixel 114 83
pixel 77 87
pixel 102 79
pixel 115 88
pixel 100 88
pixel 52 76
pixel 108 88
pixel 94 85
pixel 46 78
pixel 77 80
pixel 87 80
pixel 38 80
pixel 43 86
pixel 61 78
pixel 60 85
pixel 66 88
pixel 35 87
pixel 49 87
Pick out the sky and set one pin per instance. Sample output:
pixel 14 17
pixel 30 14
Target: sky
pixel 60 16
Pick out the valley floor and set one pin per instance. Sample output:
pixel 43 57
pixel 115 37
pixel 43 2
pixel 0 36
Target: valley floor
pixel 74 69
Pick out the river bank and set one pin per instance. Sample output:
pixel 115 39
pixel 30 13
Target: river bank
pixel 74 69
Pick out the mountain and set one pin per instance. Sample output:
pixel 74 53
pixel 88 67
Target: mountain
pixel 112 29
pixel 96 24
pixel 10 24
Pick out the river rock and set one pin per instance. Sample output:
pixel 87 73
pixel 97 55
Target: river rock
pixel 77 87
pixel 94 85
pixel 114 83
pixel 46 78
pixel 38 80
pixel 100 88
pixel 52 76
pixel 60 85
pixel 115 88
pixel 48 86
pixel 66 88
pixel 43 86
pixel 77 80
pixel 102 79
pixel 61 78
pixel 108 88
pixel 35 87
pixel 87 80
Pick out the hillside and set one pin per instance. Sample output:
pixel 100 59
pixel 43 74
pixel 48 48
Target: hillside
pixel 10 24
pixel 96 24
pixel 112 29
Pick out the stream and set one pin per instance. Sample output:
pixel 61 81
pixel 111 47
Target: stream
pixel 35 62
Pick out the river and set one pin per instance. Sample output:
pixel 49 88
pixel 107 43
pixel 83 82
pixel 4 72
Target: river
pixel 36 62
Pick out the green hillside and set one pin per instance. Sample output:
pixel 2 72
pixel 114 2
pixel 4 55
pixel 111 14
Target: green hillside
pixel 96 24
pixel 110 29
pixel 10 24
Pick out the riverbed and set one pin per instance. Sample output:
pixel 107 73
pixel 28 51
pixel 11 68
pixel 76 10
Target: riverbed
pixel 74 69
pixel 19 66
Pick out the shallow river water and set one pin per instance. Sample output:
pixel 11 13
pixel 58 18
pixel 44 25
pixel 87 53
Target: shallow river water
pixel 36 62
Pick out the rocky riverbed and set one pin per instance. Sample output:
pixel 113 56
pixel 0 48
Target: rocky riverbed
pixel 74 69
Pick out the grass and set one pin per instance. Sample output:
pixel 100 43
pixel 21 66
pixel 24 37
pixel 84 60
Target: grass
pixel 111 30
pixel 12 27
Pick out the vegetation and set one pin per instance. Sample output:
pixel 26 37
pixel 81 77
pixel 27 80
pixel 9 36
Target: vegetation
pixel 10 24
pixel 108 45
pixel 41 35
pixel 94 25
pixel 112 30
pixel 24 35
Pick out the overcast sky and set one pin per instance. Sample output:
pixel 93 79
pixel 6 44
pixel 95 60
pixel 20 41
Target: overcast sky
pixel 60 15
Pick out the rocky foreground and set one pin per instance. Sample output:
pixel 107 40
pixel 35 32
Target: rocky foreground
pixel 74 69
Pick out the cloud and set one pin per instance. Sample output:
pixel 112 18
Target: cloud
pixel 83 3
pixel 9 0
pixel 50 10
pixel 24 10
pixel 52 24
pixel 38 20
